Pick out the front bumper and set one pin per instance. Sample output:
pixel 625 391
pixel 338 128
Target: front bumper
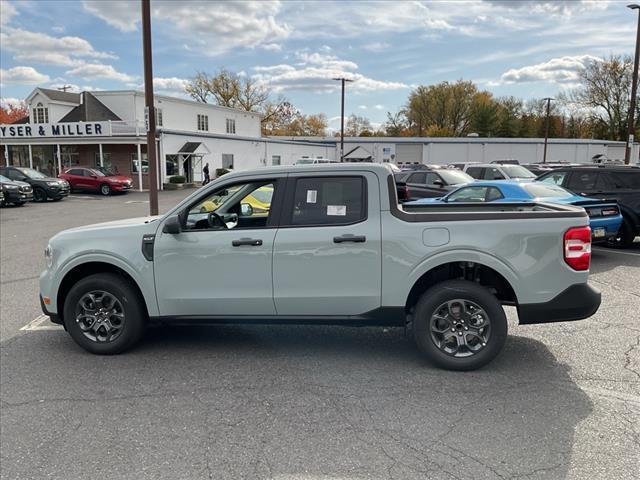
pixel 121 187
pixel 577 302
pixel 54 317
pixel 58 192
pixel 16 196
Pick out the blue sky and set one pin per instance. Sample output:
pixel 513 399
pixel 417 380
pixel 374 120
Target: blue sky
pixel 525 48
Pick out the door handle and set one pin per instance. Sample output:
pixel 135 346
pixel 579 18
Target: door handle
pixel 350 238
pixel 254 242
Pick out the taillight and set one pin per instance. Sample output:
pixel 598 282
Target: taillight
pixel 577 248
pixel 609 211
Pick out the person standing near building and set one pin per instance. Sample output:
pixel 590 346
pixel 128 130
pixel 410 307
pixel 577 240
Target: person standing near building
pixel 205 171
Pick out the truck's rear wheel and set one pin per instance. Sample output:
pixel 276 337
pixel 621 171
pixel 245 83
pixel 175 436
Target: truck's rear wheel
pixel 459 325
pixel 104 314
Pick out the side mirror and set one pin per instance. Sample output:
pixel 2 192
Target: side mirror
pixel 93 176
pixel 438 183
pixel 172 225
pixel 246 210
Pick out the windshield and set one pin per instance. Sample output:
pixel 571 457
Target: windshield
pixel 31 173
pixel 4 179
pixel 306 161
pixel 103 172
pixel 455 177
pixel 517 171
pixel 539 190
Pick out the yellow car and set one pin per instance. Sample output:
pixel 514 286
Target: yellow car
pixel 259 199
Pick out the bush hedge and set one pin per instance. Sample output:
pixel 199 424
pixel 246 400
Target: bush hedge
pixel 177 179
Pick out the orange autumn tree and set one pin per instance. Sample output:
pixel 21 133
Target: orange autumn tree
pixel 12 112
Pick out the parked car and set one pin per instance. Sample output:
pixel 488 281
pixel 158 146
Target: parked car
pixel 44 187
pixel 433 181
pixel 15 192
pixel 604 217
pixel 495 171
pixel 96 180
pixel 1 198
pixel 620 183
pixel 335 248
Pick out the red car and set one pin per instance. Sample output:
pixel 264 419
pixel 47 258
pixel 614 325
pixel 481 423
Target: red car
pixel 96 179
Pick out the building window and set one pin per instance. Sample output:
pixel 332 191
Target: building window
pixel 134 163
pixel 41 114
pixel 275 159
pixel 227 161
pixel 106 160
pixel 231 125
pixel 172 165
pixel 158 117
pixel 203 123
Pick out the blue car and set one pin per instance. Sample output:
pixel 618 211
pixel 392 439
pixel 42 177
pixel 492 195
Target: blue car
pixel 604 216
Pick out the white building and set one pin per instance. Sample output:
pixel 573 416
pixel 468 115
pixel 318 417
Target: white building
pixel 436 150
pixel 106 128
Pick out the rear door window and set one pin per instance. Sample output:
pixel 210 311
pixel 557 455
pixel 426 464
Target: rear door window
pixel 321 201
pixel 581 181
pixel 623 180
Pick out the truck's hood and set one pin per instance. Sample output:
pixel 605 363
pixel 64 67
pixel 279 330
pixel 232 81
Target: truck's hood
pixel 127 222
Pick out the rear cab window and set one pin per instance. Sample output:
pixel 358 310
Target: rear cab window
pixel 318 201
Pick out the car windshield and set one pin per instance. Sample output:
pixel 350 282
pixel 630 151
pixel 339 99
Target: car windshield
pixel 455 177
pixel 517 171
pixel 539 190
pixel 306 161
pixel 103 172
pixel 31 173
pixel 4 179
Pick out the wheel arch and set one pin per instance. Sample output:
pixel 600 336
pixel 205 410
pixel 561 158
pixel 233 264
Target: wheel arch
pixel 90 267
pixel 495 279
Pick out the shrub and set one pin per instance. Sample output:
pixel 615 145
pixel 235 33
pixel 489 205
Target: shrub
pixel 177 179
pixel 221 171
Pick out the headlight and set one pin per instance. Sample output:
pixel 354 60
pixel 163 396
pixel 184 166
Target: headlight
pixel 53 184
pixel 48 255
pixel 10 187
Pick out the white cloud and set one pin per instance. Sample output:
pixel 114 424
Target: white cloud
pixel 362 107
pixel 7 11
pixel 376 46
pixel 557 70
pixel 122 15
pixel 92 71
pixel 41 48
pixel 171 84
pixel 6 102
pixel 22 76
pixel 214 27
pixel 316 72
pixel 378 107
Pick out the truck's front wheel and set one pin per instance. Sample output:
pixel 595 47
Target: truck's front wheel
pixel 104 314
pixel 459 325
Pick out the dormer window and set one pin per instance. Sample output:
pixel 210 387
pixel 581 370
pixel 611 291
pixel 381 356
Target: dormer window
pixel 41 114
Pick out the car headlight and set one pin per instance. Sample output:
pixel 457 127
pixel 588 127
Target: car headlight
pixel 48 255
pixel 53 184
pixel 10 187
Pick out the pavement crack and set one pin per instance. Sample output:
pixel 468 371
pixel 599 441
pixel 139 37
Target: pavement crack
pixel 627 358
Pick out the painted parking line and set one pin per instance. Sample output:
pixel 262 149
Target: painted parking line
pixel 39 324
pixel 137 201
pixel 82 197
pixel 609 250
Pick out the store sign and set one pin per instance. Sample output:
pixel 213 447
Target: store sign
pixel 72 129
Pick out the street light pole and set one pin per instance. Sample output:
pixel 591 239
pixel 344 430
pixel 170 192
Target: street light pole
pixel 546 130
pixel 150 111
pixel 634 89
pixel 343 81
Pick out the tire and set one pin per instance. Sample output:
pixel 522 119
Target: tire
pixel 39 195
pixel 129 304
pixel 624 237
pixel 434 345
pixel 105 189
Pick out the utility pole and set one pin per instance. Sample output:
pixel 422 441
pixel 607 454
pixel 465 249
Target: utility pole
pixel 343 81
pixel 64 88
pixel 150 110
pixel 546 130
pixel 634 90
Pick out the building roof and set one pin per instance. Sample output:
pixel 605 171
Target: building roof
pixel 90 110
pixel 435 140
pixel 61 96
pixel 189 147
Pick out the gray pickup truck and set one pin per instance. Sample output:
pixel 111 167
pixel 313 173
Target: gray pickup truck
pixel 324 244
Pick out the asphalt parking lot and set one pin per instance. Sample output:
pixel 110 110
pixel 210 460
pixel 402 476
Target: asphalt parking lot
pixel 311 403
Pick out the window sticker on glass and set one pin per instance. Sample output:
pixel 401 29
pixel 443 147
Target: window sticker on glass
pixel 312 196
pixel 336 210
